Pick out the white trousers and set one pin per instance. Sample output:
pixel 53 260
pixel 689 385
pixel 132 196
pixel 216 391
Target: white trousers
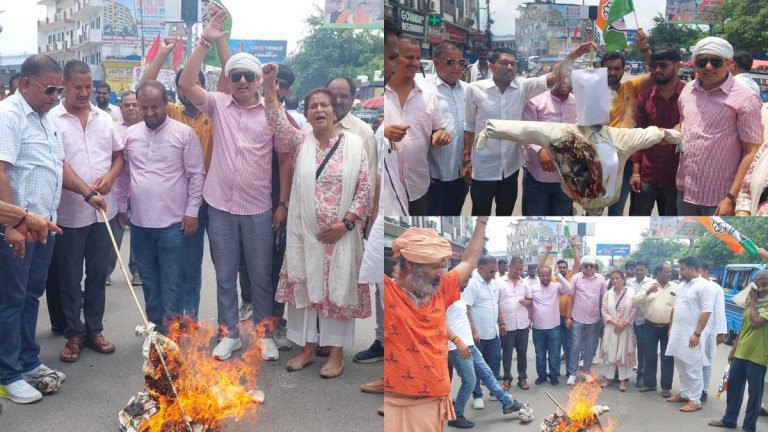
pixel 691 379
pixel 709 351
pixel 302 328
pixel 609 371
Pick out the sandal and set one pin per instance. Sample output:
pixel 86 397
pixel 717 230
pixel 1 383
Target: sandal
pixel 506 384
pixel 98 343
pixel 294 365
pixel 523 384
pixel 71 351
pixel 720 424
pixel 327 372
pixel 623 386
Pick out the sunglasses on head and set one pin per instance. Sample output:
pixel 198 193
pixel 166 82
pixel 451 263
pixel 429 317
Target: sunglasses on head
pixel 49 90
pixel 451 62
pixel 716 62
pixel 237 76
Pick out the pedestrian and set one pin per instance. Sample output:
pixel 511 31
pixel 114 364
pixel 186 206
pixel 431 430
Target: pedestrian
pixel 740 69
pixel 479 70
pixel 657 299
pixel 636 283
pixel 716 330
pixel 654 169
pixel 32 173
pixel 545 296
pixel 694 304
pixel 584 316
pixel 720 124
pixel 165 195
pixel 417 398
pixel 618 353
pixel 95 153
pixel 753 198
pixel 103 93
pixel 748 359
pixel 514 322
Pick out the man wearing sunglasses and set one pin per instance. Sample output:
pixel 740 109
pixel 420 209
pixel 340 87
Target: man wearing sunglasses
pixel 583 315
pixel 654 169
pixel 32 173
pixel 720 125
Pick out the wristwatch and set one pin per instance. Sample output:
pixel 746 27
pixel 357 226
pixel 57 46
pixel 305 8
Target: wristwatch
pixel 349 224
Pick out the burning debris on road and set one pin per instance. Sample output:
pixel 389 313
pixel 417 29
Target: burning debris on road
pixel 581 413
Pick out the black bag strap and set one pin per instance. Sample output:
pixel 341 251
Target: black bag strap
pixel 327 157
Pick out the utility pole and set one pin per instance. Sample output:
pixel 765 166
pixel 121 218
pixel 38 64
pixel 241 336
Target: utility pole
pixel 488 23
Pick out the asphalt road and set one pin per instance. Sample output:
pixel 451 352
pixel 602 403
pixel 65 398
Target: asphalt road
pixel 98 386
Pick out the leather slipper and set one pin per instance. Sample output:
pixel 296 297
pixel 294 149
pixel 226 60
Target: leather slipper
pixel 328 373
pixel 293 365
pixel 71 351
pixel 718 423
pixel 98 343
pixel 647 389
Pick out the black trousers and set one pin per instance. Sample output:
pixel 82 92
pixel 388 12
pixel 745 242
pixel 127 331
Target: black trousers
pixel 641 347
pixel 656 339
pixel 516 340
pixel 446 198
pixel 419 207
pixel 89 244
pixel 484 192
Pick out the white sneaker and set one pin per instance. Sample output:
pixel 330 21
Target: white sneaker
pixel 269 350
pixel 493 398
pixel 43 370
pixel 478 404
pixel 572 380
pixel 245 311
pixel 225 348
pixel 20 392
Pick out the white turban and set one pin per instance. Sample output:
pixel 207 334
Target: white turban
pixel 715 46
pixel 243 61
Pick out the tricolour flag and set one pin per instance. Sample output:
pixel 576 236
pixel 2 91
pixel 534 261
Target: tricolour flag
pixel 736 242
pixel 610 19
pixel 568 252
pixel 212 58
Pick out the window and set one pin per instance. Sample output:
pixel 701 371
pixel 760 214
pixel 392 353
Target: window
pixel 744 277
pixel 729 279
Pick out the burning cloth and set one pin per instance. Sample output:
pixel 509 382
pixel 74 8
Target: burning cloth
pixel 589 159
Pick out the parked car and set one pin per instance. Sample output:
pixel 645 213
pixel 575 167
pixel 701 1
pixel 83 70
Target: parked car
pixel 686 73
pixel 737 277
pixel 636 68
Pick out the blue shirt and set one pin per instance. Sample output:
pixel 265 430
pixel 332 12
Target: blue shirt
pixel 32 146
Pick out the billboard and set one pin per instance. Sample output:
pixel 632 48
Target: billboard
pixel 264 50
pixel 608 249
pixel 119 74
pixel 361 14
pixel 692 11
pixel 125 21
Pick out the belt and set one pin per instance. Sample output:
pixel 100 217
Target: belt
pixel 656 324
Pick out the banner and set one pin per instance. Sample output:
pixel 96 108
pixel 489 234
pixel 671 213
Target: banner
pixel 359 14
pixel 125 21
pixel 264 50
pixel 165 76
pixel 693 11
pixel 119 74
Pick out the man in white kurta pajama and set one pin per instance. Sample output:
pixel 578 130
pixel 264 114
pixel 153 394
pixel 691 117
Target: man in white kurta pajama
pixel 695 303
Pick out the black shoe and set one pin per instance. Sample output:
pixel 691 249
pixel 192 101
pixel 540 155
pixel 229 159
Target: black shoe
pixel 763 412
pixel 639 383
pixel 461 423
pixel 540 380
pixel 703 398
pixel 373 354
pixel 554 381
pixel 514 407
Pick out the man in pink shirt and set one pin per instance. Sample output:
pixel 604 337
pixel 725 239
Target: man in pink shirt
pixel 583 315
pixel 514 299
pixel 720 124
pixel 542 195
pixel 165 163
pixel 238 187
pixel 95 155
pixel 545 322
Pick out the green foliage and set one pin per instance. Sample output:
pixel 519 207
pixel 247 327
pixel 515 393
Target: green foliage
pixel 329 52
pixel 717 253
pixel 656 250
pixel 684 36
pixel 745 25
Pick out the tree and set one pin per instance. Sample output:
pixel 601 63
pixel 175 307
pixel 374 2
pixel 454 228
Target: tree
pixel 663 31
pixel 329 52
pixel 656 251
pixel 744 25
pixel 708 247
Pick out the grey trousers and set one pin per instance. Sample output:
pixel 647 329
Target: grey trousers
pixel 379 315
pixel 227 233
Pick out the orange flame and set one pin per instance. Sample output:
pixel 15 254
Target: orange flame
pixel 580 416
pixel 209 390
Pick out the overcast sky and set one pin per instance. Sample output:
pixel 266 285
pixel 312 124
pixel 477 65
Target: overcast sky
pixel 279 20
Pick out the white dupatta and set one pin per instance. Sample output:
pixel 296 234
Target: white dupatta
pixel 617 348
pixel 305 255
pixel 759 179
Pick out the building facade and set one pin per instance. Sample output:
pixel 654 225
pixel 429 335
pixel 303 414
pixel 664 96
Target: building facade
pixel 549 29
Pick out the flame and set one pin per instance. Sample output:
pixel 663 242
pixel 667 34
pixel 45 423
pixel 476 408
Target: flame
pixel 580 414
pixel 209 390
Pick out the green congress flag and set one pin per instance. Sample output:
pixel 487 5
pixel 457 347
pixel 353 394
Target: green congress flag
pixel 618 9
pixel 568 252
pixel 612 23
pixel 212 58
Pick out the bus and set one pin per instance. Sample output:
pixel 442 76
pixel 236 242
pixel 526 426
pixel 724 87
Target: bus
pixel 736 278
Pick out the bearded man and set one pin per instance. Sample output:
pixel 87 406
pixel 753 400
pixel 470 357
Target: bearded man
pixel 416 388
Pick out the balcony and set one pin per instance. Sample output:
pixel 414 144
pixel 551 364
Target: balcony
pixel 60 20
pixel 83 39
pixel 83 6
pixel 55 48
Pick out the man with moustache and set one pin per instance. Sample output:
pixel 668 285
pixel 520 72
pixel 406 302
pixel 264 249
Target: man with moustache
pixel 447 189
pixel 416 383
pixel 638 280
pixel 166 187
pixel 583 315
pixel 542 195
pixel 545 295
pixel 654 169
pixel 479 70
pixel 94 152
pixel 406 102
pixel 103 90
pixel 32 173
pixel 720 124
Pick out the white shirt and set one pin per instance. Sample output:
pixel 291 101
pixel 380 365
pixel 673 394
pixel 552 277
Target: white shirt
pixel 445 161
pixel 114 112
pixel 693 298
pixel 636 287
pixel 483 299
pixel 514 315
pixel 456 319
pixel 393 198
pixel 477 74
pixel 717 323
pixel 747 80
pixel 484 101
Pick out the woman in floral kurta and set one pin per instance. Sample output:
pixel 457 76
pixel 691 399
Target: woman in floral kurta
pixel 302 312
pixel 618 345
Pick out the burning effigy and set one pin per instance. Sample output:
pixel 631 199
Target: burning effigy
pixel 186 389
pixel 581 413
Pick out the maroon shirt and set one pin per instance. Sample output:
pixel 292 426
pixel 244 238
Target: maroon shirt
pixel 658 164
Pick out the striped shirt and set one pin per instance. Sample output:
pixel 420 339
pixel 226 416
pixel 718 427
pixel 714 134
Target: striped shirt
pixel 89 152
pixel 31 145
pixel 240 176
pixel 714 124
pixel 587 293
pixel 445 161
pixel 546 107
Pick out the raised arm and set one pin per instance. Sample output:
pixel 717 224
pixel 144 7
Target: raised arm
pixel 560 70
pixel 472 252
pixel 188 81
pixel 222 48
pixel 167 46
pixel 290 136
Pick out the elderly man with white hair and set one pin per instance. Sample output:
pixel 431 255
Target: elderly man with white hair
pixel 238 187
pixel 720 124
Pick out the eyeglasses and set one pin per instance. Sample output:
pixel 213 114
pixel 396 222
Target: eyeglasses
pixel 716 62
pixel 49 90
pixel 451 62
pixel 588 265
pixel 237 76
pixel 660 65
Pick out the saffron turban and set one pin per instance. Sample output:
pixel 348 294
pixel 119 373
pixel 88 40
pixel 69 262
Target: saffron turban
pixel 243 61
pixel 714 46
pixel 421 246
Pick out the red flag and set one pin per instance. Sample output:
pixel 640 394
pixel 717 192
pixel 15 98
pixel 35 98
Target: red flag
pixel 152 53
pixel 575 32
pixel 178 53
